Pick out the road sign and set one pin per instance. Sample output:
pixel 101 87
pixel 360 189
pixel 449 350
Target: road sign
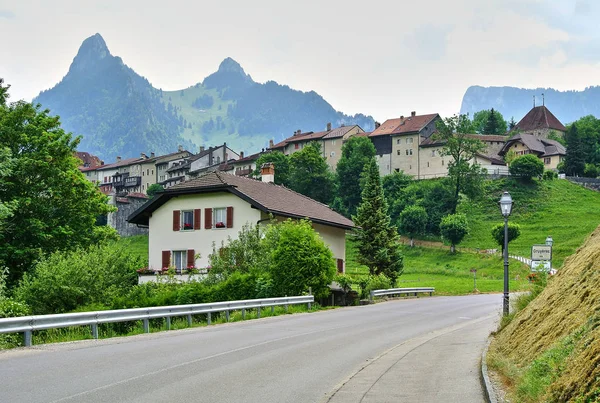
pixel 473 270
pixel 541 252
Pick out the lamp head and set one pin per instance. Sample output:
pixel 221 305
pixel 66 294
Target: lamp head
pixel 549 240
pixel 506 203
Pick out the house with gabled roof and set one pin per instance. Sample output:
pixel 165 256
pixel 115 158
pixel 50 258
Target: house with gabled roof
pixel 540 122
pixel 191 217
pixel 397 142
pixel 549 151
pixel 331 141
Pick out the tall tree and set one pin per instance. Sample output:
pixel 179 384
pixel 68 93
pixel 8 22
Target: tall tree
pixel 512 123
pixel 454 228
pixel 575 158
pixel 377 238
pixel 53 206
pixel 412 222
pixel 356 153
pixel 462 149
pixel 282 166
pixel 489 122
pixel 310 174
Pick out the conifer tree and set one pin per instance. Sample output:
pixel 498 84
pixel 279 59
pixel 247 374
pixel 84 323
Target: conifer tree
pixel 377 239
pixel 575 158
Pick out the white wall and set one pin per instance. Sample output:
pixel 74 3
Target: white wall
pixel 162 237
pixel 335 238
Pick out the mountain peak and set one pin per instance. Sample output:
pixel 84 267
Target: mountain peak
pixel 92 50
pixel 231 66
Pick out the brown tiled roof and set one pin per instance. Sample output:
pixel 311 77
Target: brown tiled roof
pixel 88 159
pixel 327 134
pixel 406 124
pixel 339 132
pixel 267 197
pixel 487 137
pixel 125 162
pixel 539 118
pixel 285 142
pixel 363 134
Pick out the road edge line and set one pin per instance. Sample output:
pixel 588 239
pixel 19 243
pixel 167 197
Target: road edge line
pixel 485 379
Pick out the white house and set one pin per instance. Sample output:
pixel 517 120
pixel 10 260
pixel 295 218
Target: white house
pixel 188 218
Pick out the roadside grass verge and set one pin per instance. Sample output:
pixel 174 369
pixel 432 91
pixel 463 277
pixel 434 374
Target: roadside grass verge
pixel 449 273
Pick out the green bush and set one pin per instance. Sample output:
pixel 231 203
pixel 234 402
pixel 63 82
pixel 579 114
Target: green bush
pixel 527 167
pixel 514 230
pixel 65 281
pixel 454 227
pixel 380 282
pixel 299 260
pixel 10 308
pixel 549 175
pixel 591 171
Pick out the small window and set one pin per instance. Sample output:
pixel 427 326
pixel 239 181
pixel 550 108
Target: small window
pixel 442 162
pixel 187 220
pixel 220 218
pixel 397 169
pixel 142 187
pixel 399 152
pixel 398 141
pixel 333 142
pixel 427 164
pixel 153 172
pixel 142 173
pixel 547 160
pixel 179 259
pixel 409 140
pixel 296 146
pixel 147 171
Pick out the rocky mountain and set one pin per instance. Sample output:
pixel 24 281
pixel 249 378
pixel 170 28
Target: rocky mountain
pixel 567 106
pixel 118 112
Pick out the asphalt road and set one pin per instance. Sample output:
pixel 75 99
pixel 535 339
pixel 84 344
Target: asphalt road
pixel 417 350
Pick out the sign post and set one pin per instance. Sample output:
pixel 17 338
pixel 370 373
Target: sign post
pixel 541 255
pixel 474 271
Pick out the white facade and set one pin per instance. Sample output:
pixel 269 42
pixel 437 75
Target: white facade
pixel 163 238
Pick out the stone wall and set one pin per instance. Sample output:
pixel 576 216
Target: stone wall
pixel 590 183
pixel 125 206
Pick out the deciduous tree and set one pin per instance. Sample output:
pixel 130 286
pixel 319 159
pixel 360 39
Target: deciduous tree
pixel 356 153
pixel 527 167
pixel 310 174
pixel 52 205
pixel 454 228
pixel 514 230
pixel 412 222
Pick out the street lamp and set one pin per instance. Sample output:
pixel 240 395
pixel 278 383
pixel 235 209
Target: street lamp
pixel 506 204
pixel 549 241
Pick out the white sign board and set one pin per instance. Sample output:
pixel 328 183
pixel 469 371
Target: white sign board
pixel 537 265
pixel 541 252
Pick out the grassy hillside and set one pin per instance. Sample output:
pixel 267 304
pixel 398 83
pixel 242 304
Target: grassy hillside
pixel 567 212
pixel 550 351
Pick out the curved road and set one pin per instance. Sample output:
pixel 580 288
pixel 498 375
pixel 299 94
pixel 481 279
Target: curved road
pixel 417 350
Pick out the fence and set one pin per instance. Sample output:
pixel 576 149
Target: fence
pixel 400 291
pixel 28 324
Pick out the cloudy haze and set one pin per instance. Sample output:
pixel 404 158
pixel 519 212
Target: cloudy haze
pixel 383 58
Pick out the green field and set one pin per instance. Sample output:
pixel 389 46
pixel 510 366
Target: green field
pixel 566 211
pixel 449 273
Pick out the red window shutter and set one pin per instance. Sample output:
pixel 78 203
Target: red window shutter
pixel 176 220
pixel 166 258
pixel 197 213
pixel 208 218
pixel 190 258
pixel 229 217
pixel 340 265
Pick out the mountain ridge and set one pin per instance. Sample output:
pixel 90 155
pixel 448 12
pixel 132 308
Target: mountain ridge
pixel 119 112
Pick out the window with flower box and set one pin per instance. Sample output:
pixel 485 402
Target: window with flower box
pixel 186 220
pixel 218 218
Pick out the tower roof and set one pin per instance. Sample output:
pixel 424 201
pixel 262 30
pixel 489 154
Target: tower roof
pixel 539 117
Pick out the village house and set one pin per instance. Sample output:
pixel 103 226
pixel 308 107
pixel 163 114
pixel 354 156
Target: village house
pixel 244 166
pixel 397 143
pixel 187 220
pixel 331 141
pixel 550 151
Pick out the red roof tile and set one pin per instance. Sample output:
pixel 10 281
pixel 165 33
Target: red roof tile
pixel 403 125
pixel 539 117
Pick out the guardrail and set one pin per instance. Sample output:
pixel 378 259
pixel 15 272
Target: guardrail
pixel 401 291
pixel 28 324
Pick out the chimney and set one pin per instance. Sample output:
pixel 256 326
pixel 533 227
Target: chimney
pixel 201 148
pixel 118 158
pixel 152 155
pixel 143 156
pixel 329 126
pixel 179 148
pixel 241 154
pixel 413 113
pixel 377 124
pixel 271 143
pixel 267 171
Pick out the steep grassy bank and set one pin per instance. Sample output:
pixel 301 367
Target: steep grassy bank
pixel 567 212
pixel 550 351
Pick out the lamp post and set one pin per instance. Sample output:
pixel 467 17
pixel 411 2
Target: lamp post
pixel 549 241
pixel 506 204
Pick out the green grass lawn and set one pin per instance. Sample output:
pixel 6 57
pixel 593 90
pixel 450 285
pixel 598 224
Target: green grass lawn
pixel 137 245
pixel 448 273
pixel 567 212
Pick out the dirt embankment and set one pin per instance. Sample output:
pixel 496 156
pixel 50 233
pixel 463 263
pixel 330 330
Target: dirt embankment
pixel 570 301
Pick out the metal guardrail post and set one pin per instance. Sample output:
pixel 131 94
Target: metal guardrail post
pixel 258 312
pixel 243 313
pixel 227 315
pixel 189 320
pixel 27 338
pixel 272 309
pixel 371 294
pixel 286 305
pixel 309 293
pixel 168 318
pixel 146 325
pixel 208 319
pixel 94 327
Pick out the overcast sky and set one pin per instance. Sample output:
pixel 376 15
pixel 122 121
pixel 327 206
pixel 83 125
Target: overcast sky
pixel 383 58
